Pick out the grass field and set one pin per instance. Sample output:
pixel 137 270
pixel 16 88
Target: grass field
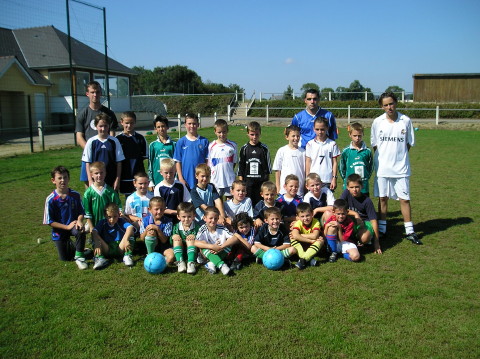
pixel 410 302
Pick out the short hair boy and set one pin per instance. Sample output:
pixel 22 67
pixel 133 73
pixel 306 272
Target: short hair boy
pixel 290 200
pixel 356 158
pixel 204 194
pixel 306 234
pixel 136 206
pixel 319 197
pixel 222 158
pixel 64 213
pixel 339 233
pixel 162 147
pixel 172 191
pixel 113 237
pixel 268 191
pixel 362 208
pixel 272 234
pixel 183 237
pixel 191 150
pixel 239 203
pixel 254 162
pixel 135 150
pixel 214 241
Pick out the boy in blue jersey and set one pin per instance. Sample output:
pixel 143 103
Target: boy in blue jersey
pixel 268 191
pixel 134 148
pixel 64 213
pixel 162 147
pixel 104 148
pixel 191 150
pixel 113 237
pixel 319 197
pixel 289 200
pixel 305 119
pixel 136 206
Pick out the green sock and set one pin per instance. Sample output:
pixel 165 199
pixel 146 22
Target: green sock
pixel 150 243
pixel 214 258
pixel 259 253
pixel 286 253
pixel 178 251
pixel 191 251
pixel 131 240
pixel 79 254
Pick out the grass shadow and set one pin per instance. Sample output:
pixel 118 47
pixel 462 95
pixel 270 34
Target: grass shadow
pixel 433 226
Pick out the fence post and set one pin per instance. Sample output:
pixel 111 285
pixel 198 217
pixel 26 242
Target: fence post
pixel 199 120
pixel 366 96
pixel 348 114
pixel 41 135
pixel 403 96
pixel 215 117
pixel 228 113
pixel 267 113
pixel 179 122
pixel 437 115
pixel 260 99
pixel 329 96
pixel 236 95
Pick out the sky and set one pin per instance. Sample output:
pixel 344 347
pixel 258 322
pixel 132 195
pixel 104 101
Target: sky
pixel 265 46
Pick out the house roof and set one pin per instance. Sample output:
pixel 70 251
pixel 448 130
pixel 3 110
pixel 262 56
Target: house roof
pixel 47 48
pixel 448 75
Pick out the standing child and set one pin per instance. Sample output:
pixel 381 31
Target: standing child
pixel 136 206
pixel 214 241
pixel 356 158
pixel 321 155
pixel 290 200
pixel 162 147
pixel 272 234
pixel 134 148
pixel 254 163
pixel 364 211
pixel 239 203
pixel 290 159
pixel 104 148
pixel 306 233
pixel 339 233
pixel 222 157
pixel 391 138
pixel 191 150
pixel 171 190
pixel 113 237
pixel 64 213
pixel 204 194
pixel 183 236
pixel 320 198
pixel 157 228
pixel 98 195
pixel 268 191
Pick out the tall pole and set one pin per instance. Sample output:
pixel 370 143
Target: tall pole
pixel 107 76
pixel 72 78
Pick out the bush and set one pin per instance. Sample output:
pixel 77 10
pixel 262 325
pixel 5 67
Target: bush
pixel 205 105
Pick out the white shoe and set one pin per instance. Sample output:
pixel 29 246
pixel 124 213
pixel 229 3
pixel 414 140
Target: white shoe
pixel 127 259
pixel 225 269
pixel 99 263
pixel 81 263
pixel 191 268
pixel 182 267
pixel 210 267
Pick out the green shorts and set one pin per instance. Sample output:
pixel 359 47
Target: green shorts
pixel 113 249
pixel 368 226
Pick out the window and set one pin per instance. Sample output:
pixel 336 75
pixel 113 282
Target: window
pixel 60 83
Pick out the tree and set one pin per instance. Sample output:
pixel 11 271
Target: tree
pixel 308 86
pixel 324 93
pixel 288 93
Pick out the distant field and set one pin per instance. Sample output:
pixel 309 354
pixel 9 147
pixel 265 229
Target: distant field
pixel 410 302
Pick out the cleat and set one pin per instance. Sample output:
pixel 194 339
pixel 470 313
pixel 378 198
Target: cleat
pixel 224 269
pixel 191 268
pixel 412 237
pixel 333 257
pixel 258 260
pixel 313 262
pixel 99 263
pixel 236 265
pixel 210 267
pixel 127 259
pixel 81 263
pixel 182 267
pixel 301 264
pixel 201 258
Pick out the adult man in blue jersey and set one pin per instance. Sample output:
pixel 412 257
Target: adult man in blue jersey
pixel 304 119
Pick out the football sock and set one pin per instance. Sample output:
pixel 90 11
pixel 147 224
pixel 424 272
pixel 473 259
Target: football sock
pixel 286 253
pixel 347 256
pixel 332 242
pixel 259 253
pixel 178 252
pixel 79 254
pixel 191 253
pixel 298 246
pixel 129 252
pixel 409 227
pixel 311 251
pixel 239 257
pixel 150 243
pixel 382 225
pixel 214 258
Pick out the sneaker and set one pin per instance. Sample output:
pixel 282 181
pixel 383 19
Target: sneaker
pixel 313 262
pixel 258 260
pixel 81 263
pixel 182 266
pixel 191 268
pixel 201 258
pixel 301 264
pixel 210 267
pixel 224 269
pixel 413 237
pixel 236 265
pixel 127 259
pixel 287 263
pixel 99 263
pixel 87 252
pixel 333 257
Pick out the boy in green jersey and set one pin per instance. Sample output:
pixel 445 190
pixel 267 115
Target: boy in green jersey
pixel 162 148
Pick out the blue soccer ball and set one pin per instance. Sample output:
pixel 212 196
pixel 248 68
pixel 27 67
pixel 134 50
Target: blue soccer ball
pixel 273 259
pixel 155 263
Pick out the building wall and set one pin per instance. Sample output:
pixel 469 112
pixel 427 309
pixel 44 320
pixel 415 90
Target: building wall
pixel 447 89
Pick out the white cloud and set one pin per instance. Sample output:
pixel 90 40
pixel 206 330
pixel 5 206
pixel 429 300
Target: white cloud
pixel 289 60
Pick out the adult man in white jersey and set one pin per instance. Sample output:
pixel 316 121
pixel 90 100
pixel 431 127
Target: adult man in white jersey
pixel 392 136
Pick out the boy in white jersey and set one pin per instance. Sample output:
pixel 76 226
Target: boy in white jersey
pixel 136 206
pixel 222 157
pixel 391 138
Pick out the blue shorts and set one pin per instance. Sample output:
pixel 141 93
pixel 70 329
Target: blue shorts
pixel 83 172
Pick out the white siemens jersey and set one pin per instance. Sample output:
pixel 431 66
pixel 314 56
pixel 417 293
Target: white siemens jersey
pixel 322 154
pixel 391 139
pixel 222 158
pixel 290 161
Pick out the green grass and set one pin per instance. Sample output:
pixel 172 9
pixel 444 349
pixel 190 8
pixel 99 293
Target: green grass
pixel 410 302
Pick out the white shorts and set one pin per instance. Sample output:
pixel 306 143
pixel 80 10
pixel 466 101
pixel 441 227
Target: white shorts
pixel 392 187
pixel 345 246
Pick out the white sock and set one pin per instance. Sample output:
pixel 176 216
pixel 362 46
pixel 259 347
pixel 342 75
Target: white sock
pixel 409 227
